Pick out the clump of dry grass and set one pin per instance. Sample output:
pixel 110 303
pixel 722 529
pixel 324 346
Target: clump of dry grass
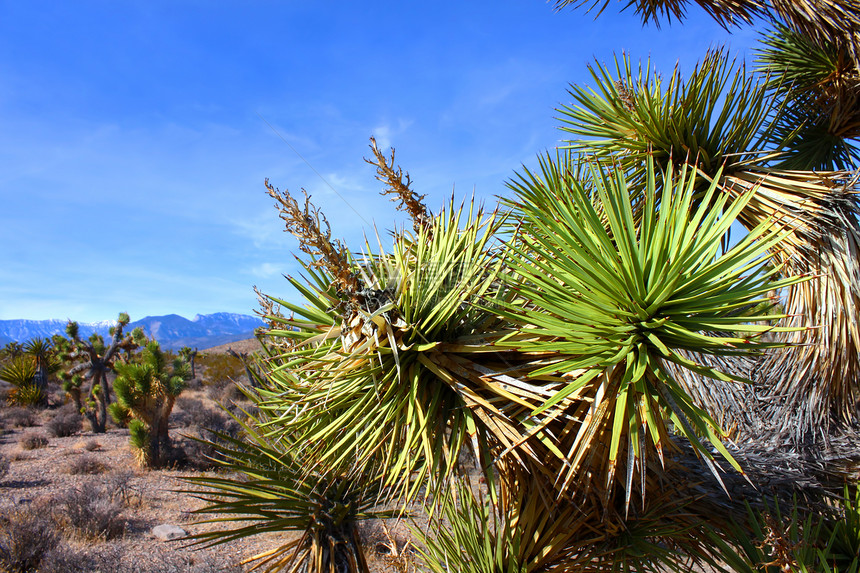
pixel 86 464
pixel 91 512
pixel 26 536
pixel 32 441
pixel 66 422
pixel 19 417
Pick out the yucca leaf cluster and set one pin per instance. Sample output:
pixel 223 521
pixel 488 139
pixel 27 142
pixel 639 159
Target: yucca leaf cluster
pixel 388 359
pixel 535 344
pixel 614 299
pixel 751 133
pixel 27 368
pixel 281 492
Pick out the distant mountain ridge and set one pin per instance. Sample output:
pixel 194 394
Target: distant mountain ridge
pixel 171 330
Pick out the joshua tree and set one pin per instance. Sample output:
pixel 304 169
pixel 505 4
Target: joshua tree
pixel 12 349
pixel 403 360
pixel 190 356
pixel 761 132
pixel 146 390
pixel 586 345
pixel 93 361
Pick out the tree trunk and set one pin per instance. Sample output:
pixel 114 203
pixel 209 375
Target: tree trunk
pixel 97 415
pixel 155 450
pixel 76 396
pixel 159 438
pixel 104 400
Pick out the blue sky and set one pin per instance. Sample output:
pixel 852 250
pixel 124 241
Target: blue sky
pixel 134 140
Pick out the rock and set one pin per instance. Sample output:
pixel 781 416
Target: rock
pixel 168 532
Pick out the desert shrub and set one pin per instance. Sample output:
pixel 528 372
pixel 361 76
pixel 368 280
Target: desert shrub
pixel 32 441
pixel 56 394
pixel 202 423
pixel 220 369
pixel 195 413
pixel 123 490
pixel 195 453
pixel 168 563
pixel 92 445
pixel 66 422
pixel 20 417
pixel 225 393
pixel 199 445
pixel 4 466
pixel 91 512
pixel 26 537
pixel 188 411
pixel 86 464
pixel 110 558
pixel 64 559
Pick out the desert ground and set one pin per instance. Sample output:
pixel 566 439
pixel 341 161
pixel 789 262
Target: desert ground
pixel 73 500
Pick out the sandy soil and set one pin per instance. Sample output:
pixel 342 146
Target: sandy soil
pixel 38 478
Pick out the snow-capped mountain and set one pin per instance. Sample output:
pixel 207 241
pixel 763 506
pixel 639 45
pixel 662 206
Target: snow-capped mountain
pixel 24 330
pixel 172 331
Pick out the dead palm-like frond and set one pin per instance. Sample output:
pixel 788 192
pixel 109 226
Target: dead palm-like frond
pixel 533 533
pixel 611 299
pixel 816 384
pixel 735 407
pixel 834 22
pixel 726 12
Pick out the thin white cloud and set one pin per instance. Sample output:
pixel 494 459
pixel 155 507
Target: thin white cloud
pixel 268 270
pixel 386 133
pixel 264 230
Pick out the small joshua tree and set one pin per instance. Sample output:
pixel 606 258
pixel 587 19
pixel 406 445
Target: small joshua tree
pixel 146 390
pixel 190 356
pixel 94 360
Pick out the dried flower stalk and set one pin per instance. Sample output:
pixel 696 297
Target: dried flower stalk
pixel 307 226
pixel 627 97
pixel 397 183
